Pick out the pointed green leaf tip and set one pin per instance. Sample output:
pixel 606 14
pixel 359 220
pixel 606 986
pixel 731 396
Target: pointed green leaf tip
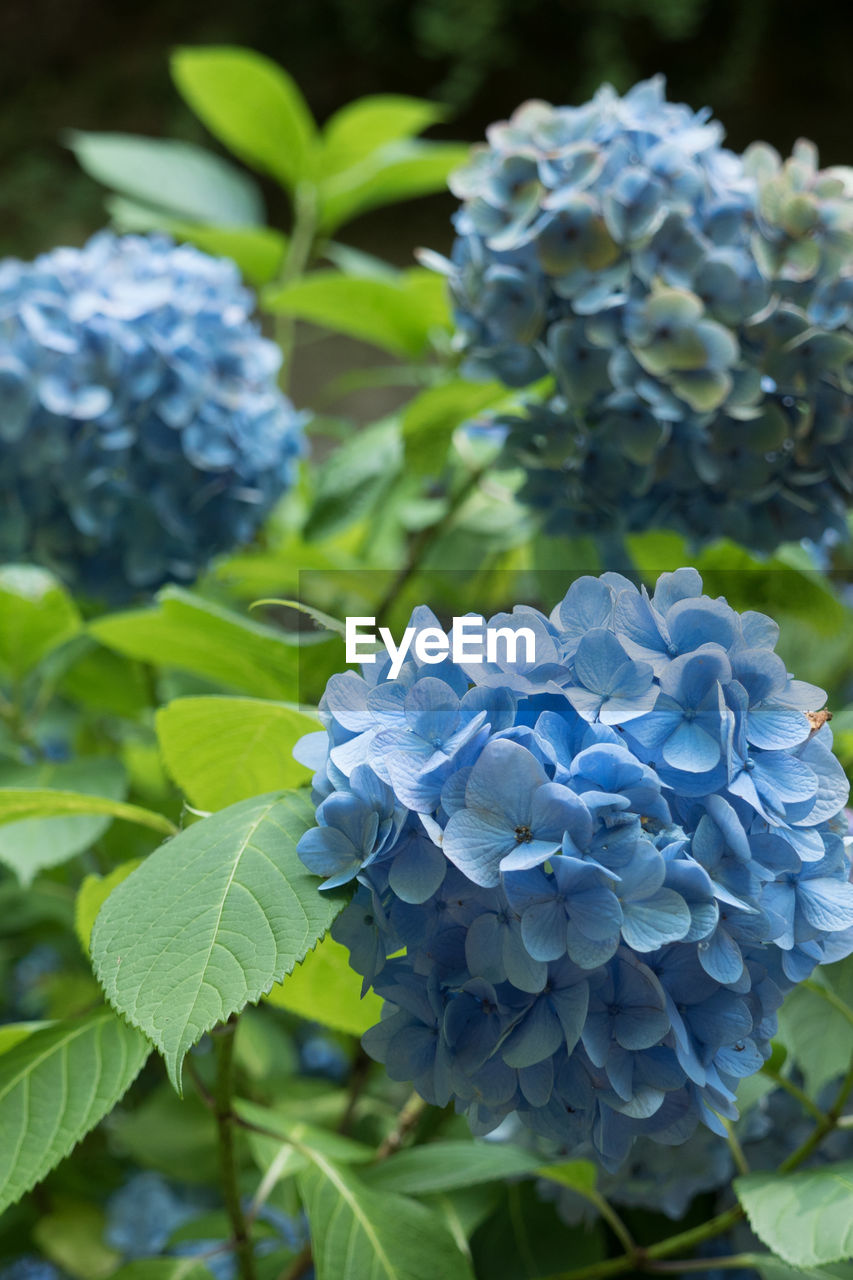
pixel 210 921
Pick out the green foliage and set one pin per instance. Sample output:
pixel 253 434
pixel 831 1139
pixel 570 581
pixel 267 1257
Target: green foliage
pixel 55 1085
pixel 805 1218
pixel 221 750
pixel 258 251
pixel 180 180
pixel 192 634
pixel 71 1236
pixel 190 704
pixel 36 616
pixel 431 418
pixel 818 1036
pixel 398 315
pixel 361 128
pixel 209 922
pixel 361 1234
pixel 324 989
pixel 450 1166
pixel 251 105
pixel 163 1269
pixel 92 895
pixel 19 804
pixel 34 843
pixel 397 172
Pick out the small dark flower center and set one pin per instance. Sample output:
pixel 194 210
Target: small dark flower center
pixel 523 835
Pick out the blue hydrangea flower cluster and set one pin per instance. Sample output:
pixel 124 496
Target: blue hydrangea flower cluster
pixel 692 306
pixel 143 1216
pixel 141 427
pixel 772 1129
pixel 585 881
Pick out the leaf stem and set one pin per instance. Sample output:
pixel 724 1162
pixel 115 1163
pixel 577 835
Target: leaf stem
pixel 223 1043
pixel 425 540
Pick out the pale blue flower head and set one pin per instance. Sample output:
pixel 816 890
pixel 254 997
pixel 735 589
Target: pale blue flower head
pixel 142 431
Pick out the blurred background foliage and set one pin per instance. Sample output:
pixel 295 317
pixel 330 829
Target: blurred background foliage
pixel 772 69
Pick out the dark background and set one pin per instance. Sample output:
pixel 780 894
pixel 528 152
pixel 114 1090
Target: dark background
pixel 772 69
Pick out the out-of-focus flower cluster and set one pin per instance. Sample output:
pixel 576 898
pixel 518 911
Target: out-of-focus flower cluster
pixel 141 427
pixel 771 1130
pixel 149 1217
pixel 693 306
pixel 586 878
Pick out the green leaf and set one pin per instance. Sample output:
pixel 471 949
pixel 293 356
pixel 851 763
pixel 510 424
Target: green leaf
pixel 817 1037
pixel 31 845
pixel 805 1218
pixel 361 1234
pixel 282 1149
pixel 71 1236
pixel 18 803
pixel 92 895
pixel 258 251
pixel 170 1134
pixel 221 750
pixel 36 615
pixel 431 418
pixel 182 180
pixel 524 1239
pixel 324 989
pixel 447 1166
pixel 12 1033
pixel 210 921
pixel 182 630
pixel 399 171
pixel 358 129
pixel 774 1269
pixel 163 1269
pixel 57 1085
pixel 579 1175
pixel 324 621
pixel 352 478
pixel 104 681
pixel 397 316
pixel 252 105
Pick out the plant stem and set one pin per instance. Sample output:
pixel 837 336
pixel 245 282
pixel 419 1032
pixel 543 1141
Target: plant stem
pixel 299 1266
pixel 425 540
pixel 733 1262
pixel 617 1226
pixel 298 256
pixel 223 1044
pixel 824 1128
pixel 406 1121
pixel 639 1259
pixel 735 1148
pixel 796 1092
pixel 358 1080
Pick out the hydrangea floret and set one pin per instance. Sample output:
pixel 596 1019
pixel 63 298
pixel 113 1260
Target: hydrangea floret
pixel 693 306
pixel 583 886
pixel 142 430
